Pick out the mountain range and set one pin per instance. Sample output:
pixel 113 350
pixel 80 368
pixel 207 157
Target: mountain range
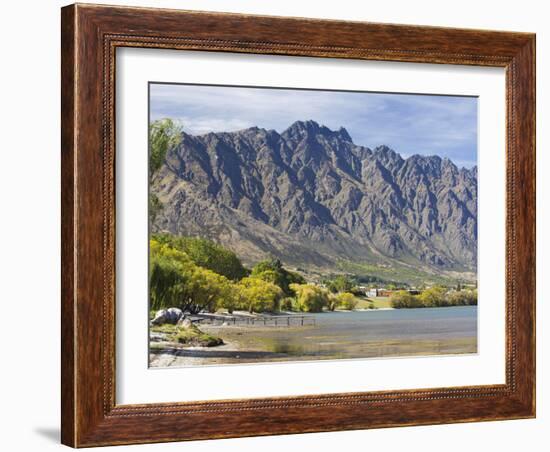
pixel 314 199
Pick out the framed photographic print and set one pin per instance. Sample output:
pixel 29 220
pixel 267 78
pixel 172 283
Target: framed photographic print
pixel 281 225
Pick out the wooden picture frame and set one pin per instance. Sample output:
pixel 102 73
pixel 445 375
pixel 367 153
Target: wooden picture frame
pixel 90 36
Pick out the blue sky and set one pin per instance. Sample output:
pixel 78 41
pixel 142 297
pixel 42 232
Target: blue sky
pixel 409 124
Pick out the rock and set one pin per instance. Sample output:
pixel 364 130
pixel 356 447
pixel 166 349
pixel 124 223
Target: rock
pixel 157 337
pixel 170 315
pixel 184 322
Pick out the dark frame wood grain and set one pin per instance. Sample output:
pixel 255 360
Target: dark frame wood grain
pixel 90 36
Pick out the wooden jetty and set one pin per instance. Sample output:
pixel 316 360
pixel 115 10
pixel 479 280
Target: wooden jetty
pixel 263 320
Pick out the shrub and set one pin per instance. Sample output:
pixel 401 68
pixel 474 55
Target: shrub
pixel 347 300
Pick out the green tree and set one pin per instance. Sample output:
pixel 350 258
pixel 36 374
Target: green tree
pixel 260 295
pixel 169 272
pixel 463 297
pixel 404 299
pixel 167 282
pixel 233 299
pixel 176 281
pixel 347 300
pixel 288 304
pixel 433 297
pixel 340 283
pixel 268 276
pixel 163 135
pixel 333 301
pixel 471 297
pixel 310 298
pixel 208 290
pixel 207 254
pixel 272 270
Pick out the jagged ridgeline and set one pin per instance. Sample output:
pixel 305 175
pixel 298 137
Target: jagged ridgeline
pixel 314 199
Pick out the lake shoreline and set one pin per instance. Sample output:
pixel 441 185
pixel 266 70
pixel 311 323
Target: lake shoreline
pixel 298 314
pixel 173 355
pixel 334 335
pixel 255 315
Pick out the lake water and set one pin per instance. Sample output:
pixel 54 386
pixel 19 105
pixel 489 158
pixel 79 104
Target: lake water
pixel 339 335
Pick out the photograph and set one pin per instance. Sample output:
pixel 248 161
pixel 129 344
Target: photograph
pixel 294 224
pixel 276 226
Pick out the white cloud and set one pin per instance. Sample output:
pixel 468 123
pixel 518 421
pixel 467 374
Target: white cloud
pixel 423 124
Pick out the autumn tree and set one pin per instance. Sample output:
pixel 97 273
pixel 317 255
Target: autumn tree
pixel 464 297
pixel 347 300
pixel 176 281
pixel 310 298
pixel 404 299
pixel 433 297
pixel 260 295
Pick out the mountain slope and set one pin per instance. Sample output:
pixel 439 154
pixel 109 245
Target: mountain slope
pixel 311 197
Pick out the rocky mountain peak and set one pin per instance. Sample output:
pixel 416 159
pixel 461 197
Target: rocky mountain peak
pixel 343 134
pixel 310 196
pixel 300 129
pixel 310 128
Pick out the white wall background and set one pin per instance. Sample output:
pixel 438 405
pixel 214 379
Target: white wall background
pixel 30 186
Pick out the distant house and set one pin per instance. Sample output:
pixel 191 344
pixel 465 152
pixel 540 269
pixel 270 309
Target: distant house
pixel 381 292
pixel 378 292
pixel 371 292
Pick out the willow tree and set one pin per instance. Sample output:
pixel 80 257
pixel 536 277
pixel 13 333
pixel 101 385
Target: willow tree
pixel 176 281
pixel 169 276
pixel 164 134
pixel 207 254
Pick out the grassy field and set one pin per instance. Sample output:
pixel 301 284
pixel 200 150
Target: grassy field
pixel 377 302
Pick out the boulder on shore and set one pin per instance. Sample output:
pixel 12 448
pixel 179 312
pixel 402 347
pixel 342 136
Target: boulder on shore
pixel 184 322
pixel 170 315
